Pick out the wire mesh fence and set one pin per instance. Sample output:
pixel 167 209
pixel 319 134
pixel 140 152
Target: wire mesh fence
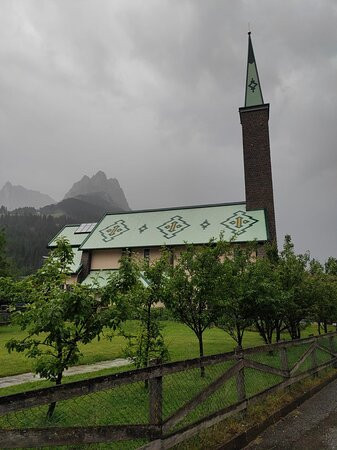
pixel 126 410
pixel 270 358
pixel 125 404
pixel 181 387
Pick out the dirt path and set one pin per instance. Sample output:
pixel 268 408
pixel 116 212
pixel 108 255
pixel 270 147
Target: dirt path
pixel 29 377
pixel 313 426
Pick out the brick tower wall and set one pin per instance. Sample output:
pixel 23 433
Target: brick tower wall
pixel 257 162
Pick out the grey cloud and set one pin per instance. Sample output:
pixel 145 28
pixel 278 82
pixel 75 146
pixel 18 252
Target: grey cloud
pixel 150 91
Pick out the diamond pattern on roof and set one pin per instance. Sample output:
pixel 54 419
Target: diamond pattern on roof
pixel 172 227
pixel 239 222
pixel 115 229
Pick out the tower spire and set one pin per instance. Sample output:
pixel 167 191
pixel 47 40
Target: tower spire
pixel 253 95
pixel 254 118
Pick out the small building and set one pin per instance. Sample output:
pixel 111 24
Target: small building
pixel 99 247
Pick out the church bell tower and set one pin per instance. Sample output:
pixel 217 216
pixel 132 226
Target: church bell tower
pixel 254 118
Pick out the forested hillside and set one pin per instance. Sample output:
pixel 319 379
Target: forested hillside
pixel 29 229
pixel 27 235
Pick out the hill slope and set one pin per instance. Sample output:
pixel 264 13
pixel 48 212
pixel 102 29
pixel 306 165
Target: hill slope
pixel 84 208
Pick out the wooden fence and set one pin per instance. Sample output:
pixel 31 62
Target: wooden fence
pixel 180 401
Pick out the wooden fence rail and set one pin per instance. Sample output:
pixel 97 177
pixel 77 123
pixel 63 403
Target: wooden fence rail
pixel 166 432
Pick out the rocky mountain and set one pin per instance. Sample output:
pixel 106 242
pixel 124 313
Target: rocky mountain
pixel 30 226
pixel 83 208
pixel 107 189
pixel 13 197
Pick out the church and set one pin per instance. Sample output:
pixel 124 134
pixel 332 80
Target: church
pixel 98 247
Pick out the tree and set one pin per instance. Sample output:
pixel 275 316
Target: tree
pixel 140 286
pixel 291 270
pixel 320 289
pixel 57 320
pixel 192 289
pixel 5 265
pixel 237 286
pixel 267 304
pixel 14 292
pixel 331 266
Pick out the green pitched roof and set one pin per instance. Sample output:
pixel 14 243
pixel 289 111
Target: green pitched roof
pixel 76 265
pixel 177 226
pixel 100 278
pixel 75 239
pixel 253 95
pixel 69 232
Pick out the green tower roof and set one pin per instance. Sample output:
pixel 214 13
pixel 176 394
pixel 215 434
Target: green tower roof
pixel 253 87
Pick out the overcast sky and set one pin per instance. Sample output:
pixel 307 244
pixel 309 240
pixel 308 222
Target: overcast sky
pixel 149 92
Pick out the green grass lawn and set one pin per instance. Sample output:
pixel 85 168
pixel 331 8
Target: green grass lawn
pixel 180 340
pixel 128 404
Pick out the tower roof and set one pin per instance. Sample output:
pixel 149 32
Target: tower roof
pixel 253 95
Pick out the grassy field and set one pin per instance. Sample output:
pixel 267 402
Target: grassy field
pixel 128 404
pixel 180 340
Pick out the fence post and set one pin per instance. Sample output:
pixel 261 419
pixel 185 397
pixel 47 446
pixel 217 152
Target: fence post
pixel 332 349
pixel 284 360
pixel 240 381
pixel 314 363
pixel 156 397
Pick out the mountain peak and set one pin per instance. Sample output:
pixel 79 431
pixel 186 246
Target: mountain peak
pixel 100 184
pixel 100 175
pixel 16 196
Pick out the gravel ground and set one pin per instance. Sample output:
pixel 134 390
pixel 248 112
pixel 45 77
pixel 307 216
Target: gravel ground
pixel 313 426
pixel 29 377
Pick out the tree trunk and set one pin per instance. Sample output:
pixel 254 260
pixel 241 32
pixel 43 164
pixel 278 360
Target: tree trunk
pixel 201 354
pixel 270 331
pixel 278 325
pixel 148 339
pixel 261 331
pixel 319 327
pixel 325 325
pixel 148 332
pixel 52 406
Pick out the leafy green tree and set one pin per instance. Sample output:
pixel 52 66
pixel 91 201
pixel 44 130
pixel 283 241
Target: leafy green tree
pixel 320 289
pixel 266 301
pixel 291 272
pixel 6 268
pixel 237 285
pixel 140 286
pixel 57 320
pixel 192 289
pixel 14 292
pixel 331 266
